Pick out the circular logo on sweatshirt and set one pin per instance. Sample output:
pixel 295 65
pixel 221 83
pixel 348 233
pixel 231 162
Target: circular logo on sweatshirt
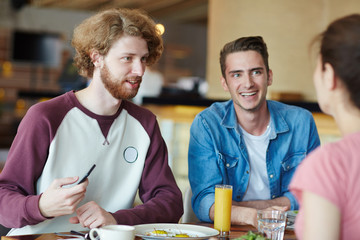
pixel 130 154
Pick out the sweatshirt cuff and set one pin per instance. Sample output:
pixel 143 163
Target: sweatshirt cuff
pixel 32 209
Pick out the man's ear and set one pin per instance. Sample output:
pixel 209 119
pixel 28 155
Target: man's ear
pixel 270 77
pixel 224 84
pixel 96 58
pixel 329 77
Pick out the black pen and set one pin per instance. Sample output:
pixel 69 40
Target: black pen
pixel 87 174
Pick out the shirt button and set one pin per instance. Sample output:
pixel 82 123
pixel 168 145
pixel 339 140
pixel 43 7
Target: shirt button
pixel 273 196
pixel 271 176
pixel 227 165
pixel 288 167
pixel 247 172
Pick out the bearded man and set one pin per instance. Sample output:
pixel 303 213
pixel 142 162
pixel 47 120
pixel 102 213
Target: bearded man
pixel 60 139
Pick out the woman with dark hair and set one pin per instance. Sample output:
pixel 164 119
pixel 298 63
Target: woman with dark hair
pixel 327 182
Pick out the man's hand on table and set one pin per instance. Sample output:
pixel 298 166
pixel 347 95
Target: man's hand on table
pixel 264 204
pixel 91 215
pixel 245 215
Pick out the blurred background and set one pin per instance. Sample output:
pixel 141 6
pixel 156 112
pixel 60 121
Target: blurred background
pixel 36 57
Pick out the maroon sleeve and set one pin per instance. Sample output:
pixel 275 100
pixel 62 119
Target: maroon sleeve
pixel 162 199
pixel 26 159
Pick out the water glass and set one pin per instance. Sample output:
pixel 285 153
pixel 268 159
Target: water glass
pixel 272 223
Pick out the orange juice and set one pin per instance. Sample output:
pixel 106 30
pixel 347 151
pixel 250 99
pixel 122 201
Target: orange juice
pixel 223 202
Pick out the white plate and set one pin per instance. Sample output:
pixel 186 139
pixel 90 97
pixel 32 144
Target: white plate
pixel 194 231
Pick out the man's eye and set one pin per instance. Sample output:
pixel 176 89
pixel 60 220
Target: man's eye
pixel 236 75
pixel 144 59
pixel 127 58
pixel 257 72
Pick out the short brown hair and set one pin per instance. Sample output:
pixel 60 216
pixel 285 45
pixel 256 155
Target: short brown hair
pixel 244 44
pixel 100 31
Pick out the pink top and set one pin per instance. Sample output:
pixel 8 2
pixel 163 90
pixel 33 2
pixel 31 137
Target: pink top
pixel 332 171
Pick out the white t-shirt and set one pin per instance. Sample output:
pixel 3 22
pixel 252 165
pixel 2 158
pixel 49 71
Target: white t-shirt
pixel 256 146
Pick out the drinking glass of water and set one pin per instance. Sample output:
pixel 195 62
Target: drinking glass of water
pixel 272 223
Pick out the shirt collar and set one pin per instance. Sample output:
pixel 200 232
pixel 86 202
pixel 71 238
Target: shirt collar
pixel 277 122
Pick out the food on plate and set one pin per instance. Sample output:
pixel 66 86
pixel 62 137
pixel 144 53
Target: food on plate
pixel 252 236
pixel 163 233
pixel 182 235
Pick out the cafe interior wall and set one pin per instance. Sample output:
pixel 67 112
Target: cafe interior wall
pixel 287 27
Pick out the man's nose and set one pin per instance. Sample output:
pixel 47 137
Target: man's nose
pixel 248 82
pixel 138 68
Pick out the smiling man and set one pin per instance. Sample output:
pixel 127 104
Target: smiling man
pixel 58 140
pixel 248 142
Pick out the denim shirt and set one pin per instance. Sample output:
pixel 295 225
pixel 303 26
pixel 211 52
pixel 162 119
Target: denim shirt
pixel 218 155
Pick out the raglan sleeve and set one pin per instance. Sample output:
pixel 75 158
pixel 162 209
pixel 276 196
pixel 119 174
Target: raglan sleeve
pixel 27 155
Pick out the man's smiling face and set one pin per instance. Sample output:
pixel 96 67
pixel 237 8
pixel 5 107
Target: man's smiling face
pixel 246 79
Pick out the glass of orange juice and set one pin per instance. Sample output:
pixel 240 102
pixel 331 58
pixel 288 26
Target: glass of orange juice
pixel 223 202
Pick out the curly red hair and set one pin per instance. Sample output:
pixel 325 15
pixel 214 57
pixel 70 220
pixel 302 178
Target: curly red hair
pixel 100 31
